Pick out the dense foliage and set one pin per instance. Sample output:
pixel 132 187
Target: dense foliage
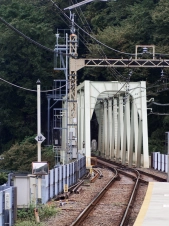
pixel 23 63
pixel 3 178
pixel 119 24
pixel 21 155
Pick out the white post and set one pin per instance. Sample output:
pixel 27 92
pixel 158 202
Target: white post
pixel 39 132
pixel 110 119
pixel 144 125
pixel 100 145
pixel 87 122
pixel 128 125
pixel 81 122
pixel 105 128
pixel 115 124
pixel 120 130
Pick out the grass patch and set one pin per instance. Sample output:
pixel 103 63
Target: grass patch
pixel 26 216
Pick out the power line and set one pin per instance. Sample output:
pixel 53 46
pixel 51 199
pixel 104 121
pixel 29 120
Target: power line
pixel 20 87
pixel 80 35
pixel 29 39
pixel 157 113
pixel 99 42
pixel 114 72
pixel 159 104
pixel 26 37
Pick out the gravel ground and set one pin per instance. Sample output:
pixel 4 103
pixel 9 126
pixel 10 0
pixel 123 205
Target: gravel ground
pixel 109 210
pixel 77 202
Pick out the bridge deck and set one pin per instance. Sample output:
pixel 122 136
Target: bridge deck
pixel 155 208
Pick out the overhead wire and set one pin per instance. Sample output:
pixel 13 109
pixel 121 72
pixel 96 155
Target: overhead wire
pixel 26 37
pixel 29 39
pixel 116 74
pixel 83 41
pixel 41 46
pixel 104 45
pixel 48 49
pixel 157 113
pixel 99 42
pixel 159 104
pixel 20 87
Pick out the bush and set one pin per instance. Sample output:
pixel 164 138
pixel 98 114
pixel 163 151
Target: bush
pixel 3 178
pixel 46 211
pixel 26 216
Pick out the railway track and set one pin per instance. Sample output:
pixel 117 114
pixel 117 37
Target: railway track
pixel 85 219
pixel 147 176
pixel 81 218
pixel 138 178
pixel 117 203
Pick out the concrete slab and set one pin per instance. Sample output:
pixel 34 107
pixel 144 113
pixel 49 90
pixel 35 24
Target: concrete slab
pixel 155 208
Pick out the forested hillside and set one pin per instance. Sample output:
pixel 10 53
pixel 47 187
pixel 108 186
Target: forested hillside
pixel 119 24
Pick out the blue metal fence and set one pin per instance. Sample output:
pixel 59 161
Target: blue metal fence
pixel 159 161
pixel 53 184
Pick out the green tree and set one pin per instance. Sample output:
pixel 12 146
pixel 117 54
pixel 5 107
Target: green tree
pixel 21 155
pixel 3 178
pixel 23 63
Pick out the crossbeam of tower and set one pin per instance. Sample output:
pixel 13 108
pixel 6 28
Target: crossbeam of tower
pixel 77 64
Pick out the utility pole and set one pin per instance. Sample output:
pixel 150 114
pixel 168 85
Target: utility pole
pixel 39 119
pixel 39 133
pixel 39 138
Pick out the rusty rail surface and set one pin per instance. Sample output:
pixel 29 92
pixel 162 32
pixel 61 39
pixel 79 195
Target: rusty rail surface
pixel 157 178
pixel 160 179
pixel 131 200
pixel 98 174
pixel 123 170
pixel 77 186
pixel 95 177
pixel 137 179
pixel 92 204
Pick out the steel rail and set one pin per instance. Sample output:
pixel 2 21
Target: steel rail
pixel 98 174
pixel 92 204
pixel 95 177
pixel 158 178
pixel 131 199
pixel 77 186
pixel 152 175
pixel 138 179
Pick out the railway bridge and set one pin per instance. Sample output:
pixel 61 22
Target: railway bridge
pixel 122 119
pixel 121 112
